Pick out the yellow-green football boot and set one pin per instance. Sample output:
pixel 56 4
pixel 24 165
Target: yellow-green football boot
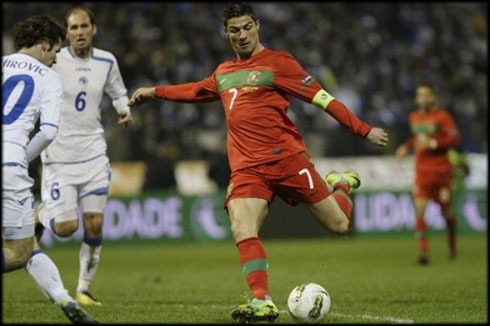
pixel 349 177
pixel 254 311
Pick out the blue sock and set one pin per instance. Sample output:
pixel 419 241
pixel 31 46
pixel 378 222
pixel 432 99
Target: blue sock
pixel 94 242
pixel 35 252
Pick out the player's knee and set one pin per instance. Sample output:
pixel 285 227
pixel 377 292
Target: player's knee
pixel 93 223
pixel 342 226
pixel 242 231
pixel 66 229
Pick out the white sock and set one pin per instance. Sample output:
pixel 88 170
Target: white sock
pixel 47 276
pixel 89 261
pixel 45 219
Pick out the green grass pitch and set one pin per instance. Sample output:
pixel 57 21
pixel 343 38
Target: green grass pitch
pixel 370 280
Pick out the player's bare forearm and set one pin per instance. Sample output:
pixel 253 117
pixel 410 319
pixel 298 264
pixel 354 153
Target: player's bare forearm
pixel 125 119
pixel 142 95
pixel 378 137
pixel 402 151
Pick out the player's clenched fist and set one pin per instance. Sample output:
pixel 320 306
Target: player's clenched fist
pixel 378 137
pixel 142 95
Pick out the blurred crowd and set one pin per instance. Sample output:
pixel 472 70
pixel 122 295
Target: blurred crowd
pixel 369 55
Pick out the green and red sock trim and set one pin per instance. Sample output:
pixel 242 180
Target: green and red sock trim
pixel 254 264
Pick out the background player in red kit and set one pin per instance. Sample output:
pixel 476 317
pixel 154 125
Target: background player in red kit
pixel 434 132
pixel 266 153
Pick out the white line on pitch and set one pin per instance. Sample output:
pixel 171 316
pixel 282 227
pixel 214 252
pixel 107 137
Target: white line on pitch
pixel 364 316
pixel 337 314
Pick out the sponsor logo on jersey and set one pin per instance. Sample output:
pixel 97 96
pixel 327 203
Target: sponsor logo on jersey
pixel 250 89
pixel 22 202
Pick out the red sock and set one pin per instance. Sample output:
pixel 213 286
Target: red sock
pixel 341 196
pixel 451 233
pixel 344 186
pixel 254 262
pixel 421 232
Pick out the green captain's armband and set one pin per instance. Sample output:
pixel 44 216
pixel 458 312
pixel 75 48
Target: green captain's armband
pixel 322 99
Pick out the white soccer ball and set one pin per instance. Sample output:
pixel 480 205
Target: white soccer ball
pixel 309 303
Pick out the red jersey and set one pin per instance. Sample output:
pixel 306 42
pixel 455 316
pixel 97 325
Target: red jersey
pixel 256 93
pixel 439 125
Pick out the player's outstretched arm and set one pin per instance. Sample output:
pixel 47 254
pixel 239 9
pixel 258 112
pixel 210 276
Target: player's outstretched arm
pixel 293 79
pixel 404 148
pixel 201 91
pixel 378 137
pixel 142 95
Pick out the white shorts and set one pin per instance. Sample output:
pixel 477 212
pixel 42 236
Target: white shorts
pixel 17 203
pixel 65 185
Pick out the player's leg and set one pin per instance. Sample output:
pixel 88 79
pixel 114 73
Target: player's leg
pixel 330 215
pixel 247 216
pixel 445 201
pixel 63 221
pixel 93 198
pixel 46 274
pixel 247 204
pixel 334 212
pixel 58 210
pixel 303 184
pixel 15 252
pixel 89 257
pixel 63 225
pixel 17 217
pixel 421 228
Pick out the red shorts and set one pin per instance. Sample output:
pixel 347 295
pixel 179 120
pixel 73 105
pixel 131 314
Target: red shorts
pixel 293 178
pixel 434 185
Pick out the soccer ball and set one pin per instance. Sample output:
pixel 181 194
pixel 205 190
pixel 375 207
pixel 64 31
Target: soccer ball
pixel 309 303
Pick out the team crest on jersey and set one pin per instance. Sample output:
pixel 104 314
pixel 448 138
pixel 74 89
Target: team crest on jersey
pixel 431 128
pixel 83 81
pixel 253 77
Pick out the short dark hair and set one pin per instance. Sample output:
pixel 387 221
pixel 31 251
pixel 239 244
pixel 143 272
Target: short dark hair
pixel 36 29
pixel 426 85
pixel 233 9
pixel 85 10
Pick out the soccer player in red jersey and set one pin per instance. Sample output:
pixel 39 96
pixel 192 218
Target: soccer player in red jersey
pixel 266 153
pixel 434 133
